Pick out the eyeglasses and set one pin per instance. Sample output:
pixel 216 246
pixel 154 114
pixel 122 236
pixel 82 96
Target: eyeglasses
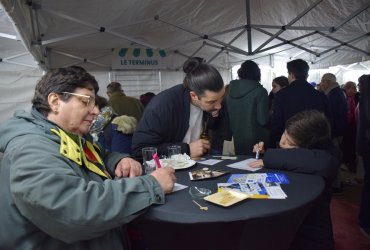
pixel 89 101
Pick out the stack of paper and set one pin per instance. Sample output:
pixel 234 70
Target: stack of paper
pixel 257 186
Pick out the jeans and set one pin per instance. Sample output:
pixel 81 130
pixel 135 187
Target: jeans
pixel 364 215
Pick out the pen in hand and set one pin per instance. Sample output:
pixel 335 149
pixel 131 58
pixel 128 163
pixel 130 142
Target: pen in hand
pixel 259 148
pixel 156 160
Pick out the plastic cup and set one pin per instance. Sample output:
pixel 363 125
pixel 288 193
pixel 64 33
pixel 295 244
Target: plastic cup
pixel 173 150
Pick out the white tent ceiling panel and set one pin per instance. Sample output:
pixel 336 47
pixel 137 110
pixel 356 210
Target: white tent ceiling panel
pixel 13 54
pixel 225 32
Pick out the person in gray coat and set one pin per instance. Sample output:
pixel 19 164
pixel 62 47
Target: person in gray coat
pixel 56 190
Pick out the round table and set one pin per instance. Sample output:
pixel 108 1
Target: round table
pixel 249 224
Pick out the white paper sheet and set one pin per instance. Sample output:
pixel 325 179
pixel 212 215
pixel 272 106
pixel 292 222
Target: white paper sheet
pixel 210 162
pixel 244 165
pixel 178 187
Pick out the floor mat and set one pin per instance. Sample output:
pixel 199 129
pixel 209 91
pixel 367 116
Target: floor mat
pixel 347 235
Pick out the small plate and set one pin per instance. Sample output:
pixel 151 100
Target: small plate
pixel 226 198
pixel 178 164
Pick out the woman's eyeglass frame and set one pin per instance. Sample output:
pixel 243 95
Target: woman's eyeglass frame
pixel 88 100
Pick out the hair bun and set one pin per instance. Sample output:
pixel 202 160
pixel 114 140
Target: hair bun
pixel 192 63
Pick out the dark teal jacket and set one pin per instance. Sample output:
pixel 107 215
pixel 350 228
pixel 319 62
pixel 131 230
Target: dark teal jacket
pixel 50 201
pixel 248 108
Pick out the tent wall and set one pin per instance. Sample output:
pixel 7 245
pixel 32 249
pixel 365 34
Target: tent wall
pixel 17 88
pixel 168 78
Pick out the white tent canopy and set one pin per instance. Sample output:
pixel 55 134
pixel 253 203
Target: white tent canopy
pixel 224 32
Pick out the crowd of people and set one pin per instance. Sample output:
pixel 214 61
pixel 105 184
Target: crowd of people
pixel 95 147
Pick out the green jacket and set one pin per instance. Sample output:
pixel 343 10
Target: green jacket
pixel 126 105
pixel 50 200
pixel 248 108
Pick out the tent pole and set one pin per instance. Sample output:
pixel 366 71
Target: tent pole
pixel 88 60
pixel 80 58
pixel 345 43
pixel 313 5
pixel 8 60
pixel 195 52
pixel 354 14
pixel 262 26
pixel 203 36
pixel 293 44
pixel 322 58
pixel 18 63
pixel 100 29
pixel 216 55
pixel 40 53
pixel 287 42
pixel 229 43
pixel 227 31
pixel 249 30
pixel 18 55
pixel 63 38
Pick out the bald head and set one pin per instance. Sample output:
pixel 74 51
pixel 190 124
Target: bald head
pixel 328 80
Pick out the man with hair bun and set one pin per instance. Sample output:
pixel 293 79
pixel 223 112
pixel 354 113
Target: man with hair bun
pixel 175 116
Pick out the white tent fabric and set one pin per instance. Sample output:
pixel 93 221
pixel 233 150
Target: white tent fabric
pixel 225 33
pixel 18 69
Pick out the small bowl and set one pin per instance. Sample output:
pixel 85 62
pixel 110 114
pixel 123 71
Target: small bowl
pixel 198 192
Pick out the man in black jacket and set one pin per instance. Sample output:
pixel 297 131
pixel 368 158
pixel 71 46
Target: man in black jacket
pixel 175 116
pixel 298 96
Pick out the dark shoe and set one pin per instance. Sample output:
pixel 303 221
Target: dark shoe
pixel 365 232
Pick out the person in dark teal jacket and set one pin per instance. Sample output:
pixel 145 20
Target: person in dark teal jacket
pixel 56 190
pixel 248 108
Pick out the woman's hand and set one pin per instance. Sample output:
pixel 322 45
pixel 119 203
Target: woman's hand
pixel 128 167
pixel 166 178
pixel 256 164
pixel 259 147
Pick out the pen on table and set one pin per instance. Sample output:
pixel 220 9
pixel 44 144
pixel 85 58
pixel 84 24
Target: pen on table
pixel 156 160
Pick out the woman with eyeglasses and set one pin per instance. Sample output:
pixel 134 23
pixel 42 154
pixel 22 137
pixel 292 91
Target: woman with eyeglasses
pixel 56 190
pixel 306 147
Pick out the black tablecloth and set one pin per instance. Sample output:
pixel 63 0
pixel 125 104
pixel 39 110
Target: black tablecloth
pixel 249 224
